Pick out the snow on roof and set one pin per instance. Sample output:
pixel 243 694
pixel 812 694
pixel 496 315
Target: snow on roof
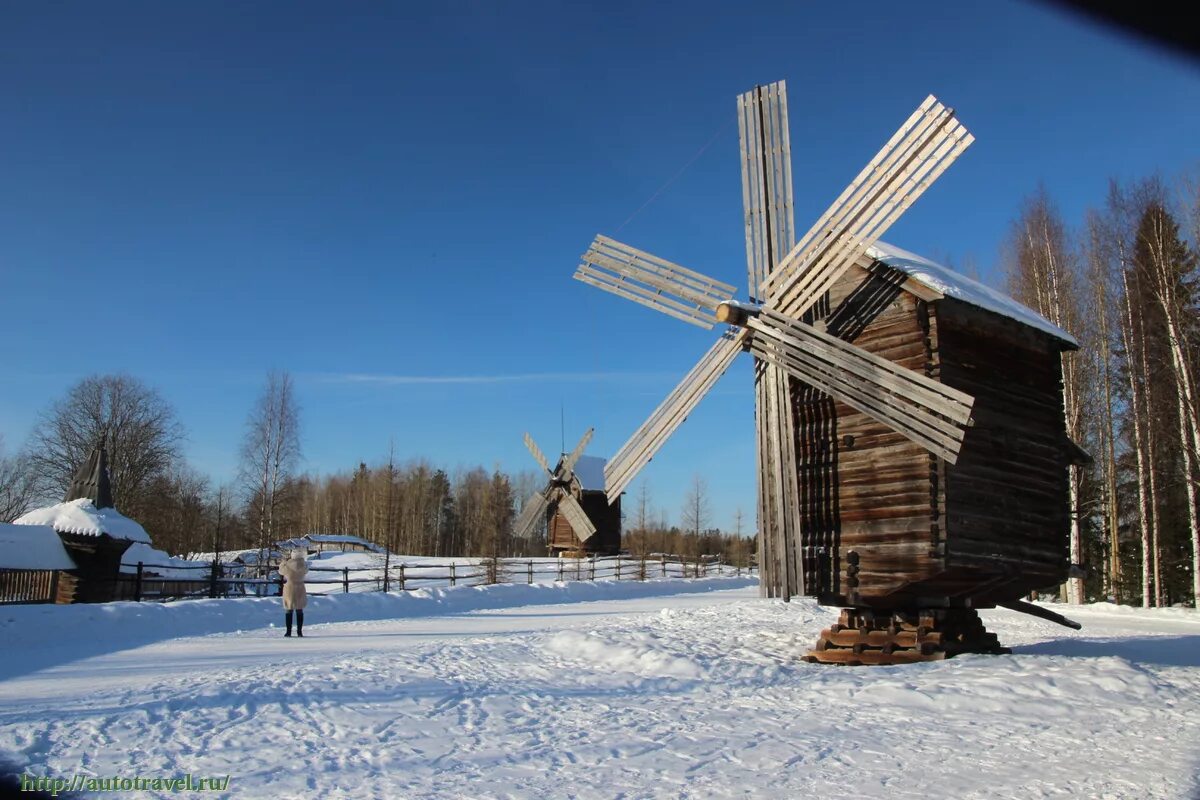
pixel 335 537
pixel 32 547
pixel 960 287
pixel 590 471
pixel 82 517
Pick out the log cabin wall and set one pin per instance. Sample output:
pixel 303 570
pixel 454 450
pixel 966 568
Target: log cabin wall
pixel 867 489
pixel 606 518
pixel 1007 515
pixel 98 560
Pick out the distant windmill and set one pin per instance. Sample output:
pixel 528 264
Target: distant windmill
pixel 868 374
pixel 573 502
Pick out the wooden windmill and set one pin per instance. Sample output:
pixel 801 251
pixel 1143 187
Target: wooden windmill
pixel 858 428
pixel 579 518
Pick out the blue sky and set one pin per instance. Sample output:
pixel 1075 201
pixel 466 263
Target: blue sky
pixel 388 200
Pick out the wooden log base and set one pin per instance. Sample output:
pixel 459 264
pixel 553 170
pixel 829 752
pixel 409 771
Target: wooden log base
pixel 869 637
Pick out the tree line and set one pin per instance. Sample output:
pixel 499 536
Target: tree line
pixel 413 507
pixel 1125 282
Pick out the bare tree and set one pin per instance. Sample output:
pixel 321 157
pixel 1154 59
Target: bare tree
pixel 18 489
pixel 695 514
pixel 139 426
pixel 270 453
pixel 1103 256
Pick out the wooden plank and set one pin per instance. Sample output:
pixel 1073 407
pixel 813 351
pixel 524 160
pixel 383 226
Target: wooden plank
pixel 537 454
pixel 647 298
pixel 626 270
pixel 569 463
pixel 936 396
pixel 718 290
pixel 894 408
pixel 744 144
pixel 535 508
pixel 569 507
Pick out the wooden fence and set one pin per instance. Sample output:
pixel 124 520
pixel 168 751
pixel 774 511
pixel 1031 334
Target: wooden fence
pixel 35 586
pixel 234 580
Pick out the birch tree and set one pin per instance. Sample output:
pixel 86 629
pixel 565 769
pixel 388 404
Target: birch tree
pixel 270 454
pixel 1042 274
pixel 1169 269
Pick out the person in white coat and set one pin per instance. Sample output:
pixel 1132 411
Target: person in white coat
pixel 295 598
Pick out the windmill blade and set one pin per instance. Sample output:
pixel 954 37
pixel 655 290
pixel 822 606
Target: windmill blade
pixel 920 151
pixel 569 507
pixel 535 508
pixel 766 179
pixel 927 412
pixel 778 483
pixel 568 463
pixel 537 454
pixel 652 281
pixel 642 446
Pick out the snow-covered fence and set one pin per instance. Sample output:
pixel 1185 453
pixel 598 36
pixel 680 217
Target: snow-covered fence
pixel 146 581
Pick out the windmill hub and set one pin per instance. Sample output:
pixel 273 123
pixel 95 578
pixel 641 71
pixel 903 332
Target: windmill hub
pixel 732 312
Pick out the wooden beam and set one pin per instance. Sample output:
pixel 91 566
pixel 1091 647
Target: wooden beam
pixel 537 453
pixel 630 291
pixel 569 507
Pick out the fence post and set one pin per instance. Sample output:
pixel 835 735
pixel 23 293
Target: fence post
pixel 560 568
pixel 592 567
pixel 385 578
pixel 618 567
pixel 137 586
pixel 345 580
pixel 642 569
pixel 452 578
pixel 402 577
pixel 663 557
pixel 530 565
pixel 212 579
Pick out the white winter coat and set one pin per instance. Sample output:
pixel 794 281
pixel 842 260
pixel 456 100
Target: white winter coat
pixel 293 571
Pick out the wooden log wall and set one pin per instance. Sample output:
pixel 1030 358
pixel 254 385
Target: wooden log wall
pixel 868 490
pixel 1007 513
pixel 606 518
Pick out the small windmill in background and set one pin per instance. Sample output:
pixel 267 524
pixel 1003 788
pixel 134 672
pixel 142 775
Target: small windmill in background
pixel 579 519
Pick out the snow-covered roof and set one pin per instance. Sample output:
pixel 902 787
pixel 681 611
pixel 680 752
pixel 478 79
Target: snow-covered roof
pixel 32 547
pixel 335 537
pixel 82 517
pixel 590 471
pixel 293 543
pixel 960 287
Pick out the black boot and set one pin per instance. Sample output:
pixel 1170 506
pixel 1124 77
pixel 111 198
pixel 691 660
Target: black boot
pixel 300 622
pixel 288 618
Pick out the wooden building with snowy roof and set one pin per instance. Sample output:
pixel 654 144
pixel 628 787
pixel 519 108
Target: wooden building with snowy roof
pixel 885 523
pixel 92 531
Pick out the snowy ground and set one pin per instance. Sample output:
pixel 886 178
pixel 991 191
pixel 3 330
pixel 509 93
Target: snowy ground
pixel 664 689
